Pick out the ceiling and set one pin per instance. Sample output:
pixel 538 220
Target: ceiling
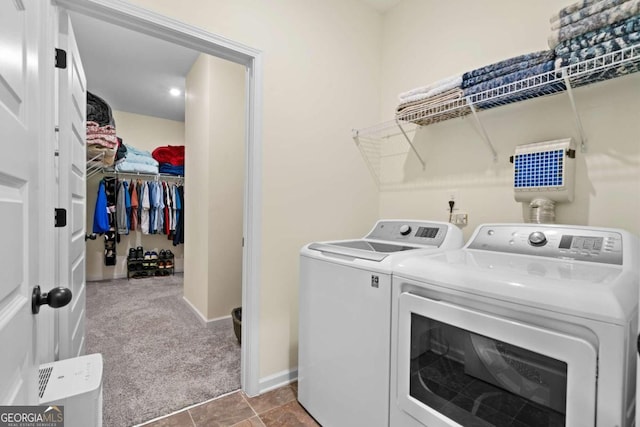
pixel 131 71
pixel 134 72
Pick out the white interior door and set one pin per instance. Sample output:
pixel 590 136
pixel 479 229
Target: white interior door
pixel 72 99
pixel 20 216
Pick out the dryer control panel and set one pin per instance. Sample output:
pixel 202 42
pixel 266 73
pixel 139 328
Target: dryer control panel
pixel 582 244
pixel 408 232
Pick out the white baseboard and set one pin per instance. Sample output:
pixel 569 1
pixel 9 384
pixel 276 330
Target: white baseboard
pixel 276 380
pixel 206 322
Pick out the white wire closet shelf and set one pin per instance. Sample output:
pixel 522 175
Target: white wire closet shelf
pixel 552 82
pixel 141 175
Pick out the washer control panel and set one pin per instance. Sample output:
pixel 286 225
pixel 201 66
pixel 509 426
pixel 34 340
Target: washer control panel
pixel 582 244
pixel 407 232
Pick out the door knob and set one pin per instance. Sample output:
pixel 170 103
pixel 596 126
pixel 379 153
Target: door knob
pixel 55 298
pixel 91 236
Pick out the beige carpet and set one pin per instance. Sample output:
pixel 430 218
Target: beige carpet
pixel 158 357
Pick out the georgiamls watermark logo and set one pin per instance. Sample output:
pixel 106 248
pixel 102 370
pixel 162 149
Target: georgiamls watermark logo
pixel 31 416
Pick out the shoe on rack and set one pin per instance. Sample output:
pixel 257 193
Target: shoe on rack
pixel 154 255
pixel 162 254
pixel 147 258
pixel 161 264
pixel 139 252
pixel 132 253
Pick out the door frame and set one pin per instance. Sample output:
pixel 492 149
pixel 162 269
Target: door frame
pixel 153 24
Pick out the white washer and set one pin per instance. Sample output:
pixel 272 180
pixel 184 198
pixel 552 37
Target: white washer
pixel 525 325
pixel 344 320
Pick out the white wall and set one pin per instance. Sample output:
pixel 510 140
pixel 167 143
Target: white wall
pixel 144 133
pixel 226 186
pixel 426 40
pixel 214 123
pixel 322 62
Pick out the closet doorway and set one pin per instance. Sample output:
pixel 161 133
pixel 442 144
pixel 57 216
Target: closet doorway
pixel 157 26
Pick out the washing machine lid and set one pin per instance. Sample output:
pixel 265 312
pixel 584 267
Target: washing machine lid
pixel 603 292
pixel 362 249
pixel 389 237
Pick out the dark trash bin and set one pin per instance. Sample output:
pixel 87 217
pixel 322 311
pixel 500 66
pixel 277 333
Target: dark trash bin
pixel 236 315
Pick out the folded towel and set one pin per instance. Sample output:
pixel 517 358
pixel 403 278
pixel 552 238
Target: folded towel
pixel 137 158
pixel 593 22
pixel 527 57
pixel 598 36
pixel 436 88
pixel 170 169
pixel 445 97
pixel 435 109
pixel 591 52
pixel 134 150
pixel 585 12
pixel 572 8
pixel 542 90
pixel 510 78
pixel 606 74
pixel 136 168
pixel 513 65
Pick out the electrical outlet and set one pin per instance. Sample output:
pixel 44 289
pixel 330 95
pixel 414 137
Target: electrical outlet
pixel 459 219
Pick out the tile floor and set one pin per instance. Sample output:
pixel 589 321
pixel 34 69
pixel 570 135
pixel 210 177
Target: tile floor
pixel 277 408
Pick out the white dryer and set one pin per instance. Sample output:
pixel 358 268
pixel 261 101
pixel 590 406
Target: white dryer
pixel 527 325
pixel 345 318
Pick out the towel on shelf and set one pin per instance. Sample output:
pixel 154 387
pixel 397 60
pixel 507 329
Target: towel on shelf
pixel 435 109
pixel 510 78
pixel 131 167
pixel 433 89
pixel 137 161
pixel 600 35
pixel 139 156
pixel 604 48
pixel 520 92
pixel 572 8
pixel 508 66
pixel 170 169
pixel 527 57
pixel 606 74
pixel 606 17
pixel 584 12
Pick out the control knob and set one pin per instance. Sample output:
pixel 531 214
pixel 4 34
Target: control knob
pixel 405 229
pixel 537 238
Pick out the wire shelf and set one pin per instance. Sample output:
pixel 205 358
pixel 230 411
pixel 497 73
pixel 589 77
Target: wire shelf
pixel 607 66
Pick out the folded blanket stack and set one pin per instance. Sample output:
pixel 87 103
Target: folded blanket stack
pixel 171 159
pixel 510 71
pixel 592 28
pixel 433 103
pixel 101 140
pixel 101 132
pixel 137 161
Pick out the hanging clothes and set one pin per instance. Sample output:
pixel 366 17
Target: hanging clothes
pixel 146 209
pixel 133 218
pixel 179 235
pixel 152 207
pixel 127 201
pixel 100 213
pixel 121 209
